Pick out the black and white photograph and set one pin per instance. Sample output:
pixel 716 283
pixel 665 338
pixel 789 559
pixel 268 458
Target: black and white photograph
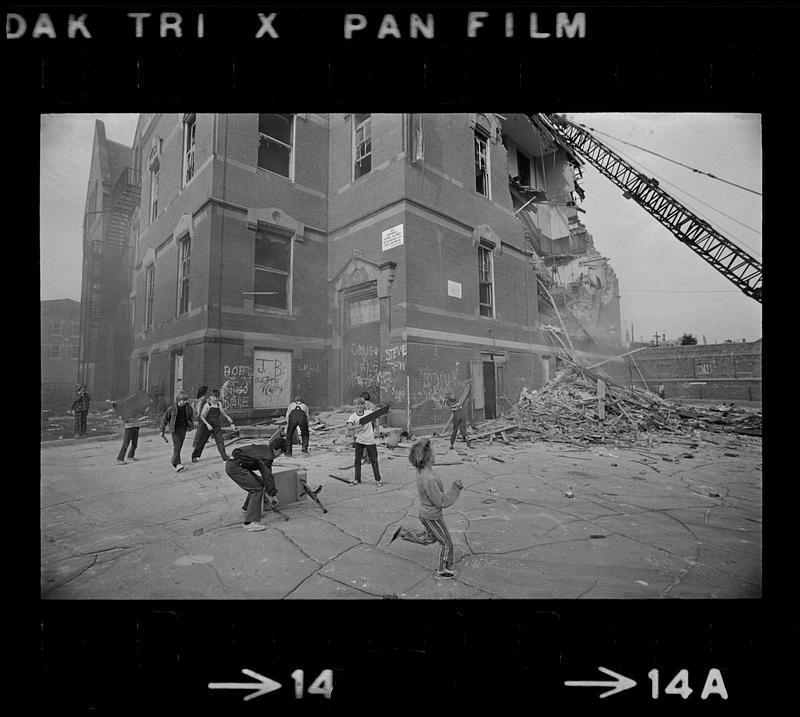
pixel 555 318
pixel 406 357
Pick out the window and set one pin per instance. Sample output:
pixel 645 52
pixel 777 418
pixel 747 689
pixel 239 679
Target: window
pixel 523 169
pixel 485 281
pixel 272 270
pixel 482 164
pixel 76 328
pixel 189 127
pixel 275 141
pixel 150 280
pixel 76 349
pixel 184 255
pixel 55 327
pixel 154 193
pixel 362 144
pixel 55 350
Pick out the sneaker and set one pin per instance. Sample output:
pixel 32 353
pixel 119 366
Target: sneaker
pixel 445 573
pixel 305 450
pixel 121 463
pixel 194 460
pixel 179 468
pixel 131 458
pixel 452 448
pixel 396 533
pixel 378 484
pixel 254 527
pixel 356 482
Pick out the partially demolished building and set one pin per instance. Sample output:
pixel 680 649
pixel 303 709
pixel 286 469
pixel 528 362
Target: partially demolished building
pixel 408 255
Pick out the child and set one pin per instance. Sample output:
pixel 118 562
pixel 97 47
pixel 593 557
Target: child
pixel 296 417
pixel 80 407
pixel 459 422
pixel 364 440
pixel 131 436
pixel 201 434
pixel 432 500
pixel 211 416
pixel 240 469
pixel 369 407
pixel 177 420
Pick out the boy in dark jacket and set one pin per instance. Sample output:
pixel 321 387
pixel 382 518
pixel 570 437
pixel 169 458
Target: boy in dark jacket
pixel 177 420
pixel 459 422
pixel 80 407
pixel 240 468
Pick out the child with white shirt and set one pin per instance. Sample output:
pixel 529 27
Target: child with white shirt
pixel 364 441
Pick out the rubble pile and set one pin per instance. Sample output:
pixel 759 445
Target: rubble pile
pixel 567 409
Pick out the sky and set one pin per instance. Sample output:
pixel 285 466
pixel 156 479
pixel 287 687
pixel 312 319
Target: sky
pixel 665 287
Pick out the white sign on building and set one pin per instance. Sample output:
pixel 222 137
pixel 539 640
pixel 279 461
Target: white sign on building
pixel 272 378
pixel 392 237
pixel 453 289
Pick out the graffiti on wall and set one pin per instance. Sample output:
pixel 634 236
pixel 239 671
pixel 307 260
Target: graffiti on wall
pixel 364 365
pixel 308 380
pixel 235 390
pixel 392 374
pixel 433 386
pixel 272 379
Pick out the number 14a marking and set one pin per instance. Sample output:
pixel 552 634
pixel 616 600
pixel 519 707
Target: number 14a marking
pixel 680 685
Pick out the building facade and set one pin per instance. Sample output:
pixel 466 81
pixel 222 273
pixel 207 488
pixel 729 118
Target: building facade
pixel 112 202
pixel 60 349
pixel 405 255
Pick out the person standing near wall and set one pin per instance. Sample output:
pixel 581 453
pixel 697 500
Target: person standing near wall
pixel 177 420
pixel 80 407
pixel 201 434
pixel 364 440
pixel 459 422
pixel 432 498
pixel 296 417
pixel 212 415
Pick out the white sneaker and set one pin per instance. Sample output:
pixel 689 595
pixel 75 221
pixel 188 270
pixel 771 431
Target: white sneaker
pixel 254 527
pixel 179 468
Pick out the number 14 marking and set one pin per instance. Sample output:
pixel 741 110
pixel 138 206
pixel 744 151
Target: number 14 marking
pixel 680 685
pixel 323 685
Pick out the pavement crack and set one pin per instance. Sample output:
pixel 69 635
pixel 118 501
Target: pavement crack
pixel 588 590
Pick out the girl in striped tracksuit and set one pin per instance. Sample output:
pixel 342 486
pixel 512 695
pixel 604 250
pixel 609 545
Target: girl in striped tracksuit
pixel 432 498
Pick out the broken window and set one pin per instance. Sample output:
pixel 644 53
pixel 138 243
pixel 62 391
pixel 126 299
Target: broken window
pixel 485 281
pixel 272 270
pixel 482 164
pixel 150 281
pixel 523 169
pixel 275 142
pixel 362 144
pixel 189 126
pixel 184 256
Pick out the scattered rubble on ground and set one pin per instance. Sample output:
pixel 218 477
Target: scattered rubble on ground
pixel 567 409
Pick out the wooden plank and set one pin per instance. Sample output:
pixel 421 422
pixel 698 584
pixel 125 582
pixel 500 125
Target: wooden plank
pixel 601 395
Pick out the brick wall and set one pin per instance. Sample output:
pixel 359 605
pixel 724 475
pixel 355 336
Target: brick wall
pixel 712 371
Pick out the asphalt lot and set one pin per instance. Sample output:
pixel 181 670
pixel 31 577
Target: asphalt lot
pixel 536 520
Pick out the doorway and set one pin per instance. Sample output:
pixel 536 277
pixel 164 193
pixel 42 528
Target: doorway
pixel 489 390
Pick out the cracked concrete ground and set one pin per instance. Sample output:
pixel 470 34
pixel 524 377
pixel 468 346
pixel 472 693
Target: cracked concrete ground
pixel 643 523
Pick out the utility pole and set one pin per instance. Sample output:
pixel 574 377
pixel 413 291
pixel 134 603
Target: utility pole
pixel 656 337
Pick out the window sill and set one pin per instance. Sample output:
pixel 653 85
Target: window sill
pixel 275 174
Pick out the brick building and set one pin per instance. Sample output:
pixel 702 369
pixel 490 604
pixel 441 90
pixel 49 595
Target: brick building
pixel 112 201
pixel 60 347
pixel 720 372
pixel 329 254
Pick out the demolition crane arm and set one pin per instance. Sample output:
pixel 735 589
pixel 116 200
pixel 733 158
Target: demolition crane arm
pixel 727 258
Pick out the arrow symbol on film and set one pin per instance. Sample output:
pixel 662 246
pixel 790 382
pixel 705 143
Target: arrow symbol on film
pixel 262 687
pixel 619 683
